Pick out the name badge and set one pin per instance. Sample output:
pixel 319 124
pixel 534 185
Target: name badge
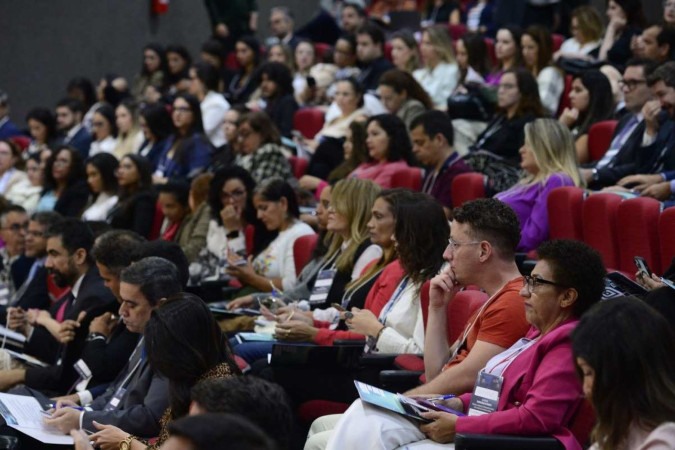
pixel 485 396
pixel 324 281
pixel 84 374
pixel 115 400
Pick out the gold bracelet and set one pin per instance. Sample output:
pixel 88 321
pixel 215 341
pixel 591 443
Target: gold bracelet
pixel 126 443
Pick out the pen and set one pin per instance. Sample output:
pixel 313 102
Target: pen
pixel 442 397
pixel 290 316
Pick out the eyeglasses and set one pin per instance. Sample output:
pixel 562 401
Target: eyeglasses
pixel 631 84
pixel 533 282
pixel 234 195
pixel 16 227
pixel 454 245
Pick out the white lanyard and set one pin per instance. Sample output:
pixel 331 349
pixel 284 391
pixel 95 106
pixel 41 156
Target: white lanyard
pixel 394 299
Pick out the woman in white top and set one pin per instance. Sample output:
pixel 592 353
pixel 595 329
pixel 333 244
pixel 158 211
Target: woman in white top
pixel 628 374
pixel 104 131
pixel 587 30
pixel 304 58
pixel 204 79
pixel 102 180
pixel 537 48
pixel 129 136
pixel 11 163
pixel 440 73
pixel 405 54
pixel 277 207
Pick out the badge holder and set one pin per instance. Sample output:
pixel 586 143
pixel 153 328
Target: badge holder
pixel 324 281
pixel 486 393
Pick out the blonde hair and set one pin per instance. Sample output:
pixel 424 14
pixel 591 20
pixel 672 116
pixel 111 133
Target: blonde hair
pixel 353 199
pixel 589 23
pixel 552 146
pixel 442 43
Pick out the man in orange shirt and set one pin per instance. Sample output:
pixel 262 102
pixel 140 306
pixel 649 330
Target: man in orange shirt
pixel 481 250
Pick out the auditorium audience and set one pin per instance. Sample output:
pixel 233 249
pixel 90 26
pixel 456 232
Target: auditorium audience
pixel 389 150
pixel 405 54
pixel 273 268
pixel 507 52
pixel 586 30
pixel 537 46
pixel 135 208
pixel 155 121
pixel 642 417
pixel 178 61
pixel 129 134
pixel 42 129
pixel 370 55
pixel 276 87
pixel 154 71
pixel 402 95
pixel 8 128
pixel 204 85
pixel 246 80
pixel 186 153
pixel 439 73
pixel 12 176
pixel 69 117
pixel 549 161
pixel 104 131
pixel 65 188
pixel 101 172
pixel 224 155
pixel 590 102
pixel 626 20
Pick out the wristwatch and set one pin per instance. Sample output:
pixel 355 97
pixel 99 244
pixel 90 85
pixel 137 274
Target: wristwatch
pixel 95 336
pixel 126 443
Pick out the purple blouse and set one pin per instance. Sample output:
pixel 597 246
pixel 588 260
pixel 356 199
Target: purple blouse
pixel 529 203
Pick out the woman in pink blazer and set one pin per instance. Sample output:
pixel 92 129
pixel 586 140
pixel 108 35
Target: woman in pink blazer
pixel 541 391
pixel 389 150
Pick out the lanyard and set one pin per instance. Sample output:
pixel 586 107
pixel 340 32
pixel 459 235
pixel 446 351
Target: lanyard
pixel 393 300
pixel 511 357
pixel 431 180
pixel 487 134
pixel 349 292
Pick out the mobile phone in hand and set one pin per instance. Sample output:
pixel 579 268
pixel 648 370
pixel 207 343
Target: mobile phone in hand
pixel 642 266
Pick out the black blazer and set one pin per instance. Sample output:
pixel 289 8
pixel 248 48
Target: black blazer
pixel 371 73
pixel 73 199
pixel 94 298
pixel 504 137
pixel 281 111
pixel 136 213
pixel 107 358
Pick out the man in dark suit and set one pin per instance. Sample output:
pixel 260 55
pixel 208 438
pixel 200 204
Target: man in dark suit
pixel 33 293
pixel 7 127
pixel 14 265
pixel 69 260
pixel 370 55
pixel 138 397
pixel 69 114
pixel 627 154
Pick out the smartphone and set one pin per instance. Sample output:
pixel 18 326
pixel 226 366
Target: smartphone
pixel 642 266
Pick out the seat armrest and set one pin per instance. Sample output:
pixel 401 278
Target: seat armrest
pixel 505 442
pixel 382 360
pixel 399 380
pixel 350 342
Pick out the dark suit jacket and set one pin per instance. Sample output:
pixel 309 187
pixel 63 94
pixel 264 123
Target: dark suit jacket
pixel 94 298
pixel 504 139
pixel 141 406
pixel 20 269
pixel 629 159
pixel 82 142
pixel 107 358
pixel 371 73
pixel 8 130
pixel 281 111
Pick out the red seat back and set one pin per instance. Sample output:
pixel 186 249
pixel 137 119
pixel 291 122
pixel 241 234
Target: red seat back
pixel 457 31
pixel 22 141
pixel 460 309
pixel 409 177
pixel 231 62
pixel 583 423
pixel 298 165
pixel 308 121
pixel 387 50
pixel 320 49
pixel 599 225
pixel 667 236
pixel 302 250
pixel 599 138
pixel 565 96
pixel 466 187
pixel 490 44
pixel 157 220
pixel 638 232
pixel 249 237
pixel 558 40
pixel 564 206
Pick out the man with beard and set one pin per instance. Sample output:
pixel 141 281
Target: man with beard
pixel 69 260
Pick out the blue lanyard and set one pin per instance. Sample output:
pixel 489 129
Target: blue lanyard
pixel 393 300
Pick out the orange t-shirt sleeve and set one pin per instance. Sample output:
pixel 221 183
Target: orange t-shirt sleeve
pixel 503 322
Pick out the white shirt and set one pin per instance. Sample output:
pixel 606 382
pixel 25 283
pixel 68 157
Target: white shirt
pixel 551 84
pixel 439 82
pixel 98 211
pixel 571 45
pixel 277 261
pixel 214 106
pixel 107 145
pixel 404 332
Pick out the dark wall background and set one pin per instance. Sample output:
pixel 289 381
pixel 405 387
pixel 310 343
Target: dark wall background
pixel 43 43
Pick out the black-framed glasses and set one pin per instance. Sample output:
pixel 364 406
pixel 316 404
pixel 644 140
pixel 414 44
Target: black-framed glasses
pixel 533 282
pixel 631 84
